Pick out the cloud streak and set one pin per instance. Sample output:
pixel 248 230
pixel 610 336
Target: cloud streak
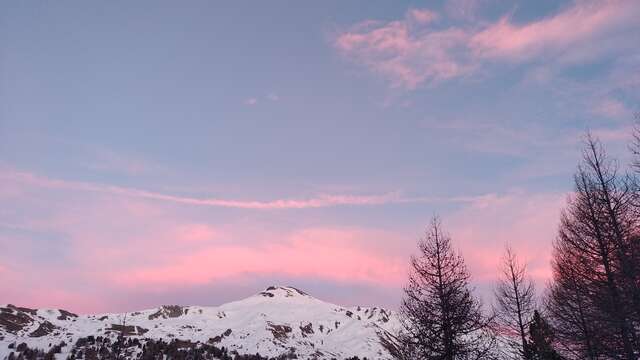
pixel 320 201
pixel 582 22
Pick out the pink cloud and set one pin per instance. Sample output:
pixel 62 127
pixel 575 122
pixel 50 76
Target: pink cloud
pixel 56 298
pixel 611 108
pixel 191 233
pixel 619 135
pixel 409 53
pixel 407 59
pixel 26 286
pixel 422 16
pixel 335 254
pixel 581 22
pixel 526 221
pixel 125 250
pixel 105 245
pixel 127 245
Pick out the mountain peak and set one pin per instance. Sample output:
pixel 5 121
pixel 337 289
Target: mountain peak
pixel 283 291
pixel 277 322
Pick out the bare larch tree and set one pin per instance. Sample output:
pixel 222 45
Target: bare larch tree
pixel 595 261
pixel 568 303
pixel 515 305
pixel 442 319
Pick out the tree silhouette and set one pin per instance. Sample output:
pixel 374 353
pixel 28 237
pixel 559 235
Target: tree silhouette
pixel 441 317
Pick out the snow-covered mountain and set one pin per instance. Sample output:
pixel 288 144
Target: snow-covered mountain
pixel 279 320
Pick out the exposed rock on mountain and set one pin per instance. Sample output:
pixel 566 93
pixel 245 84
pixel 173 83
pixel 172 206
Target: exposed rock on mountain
pixel 279 321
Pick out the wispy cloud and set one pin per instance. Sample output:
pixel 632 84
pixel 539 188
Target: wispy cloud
pixel 620 135
pixel 584 21
pixel 320 201
pixel 251 101
pixel 611 108
pixel 421 16
pixel 411 53
pixel 405 54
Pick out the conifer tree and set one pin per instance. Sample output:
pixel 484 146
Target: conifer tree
pixel 595 263
pixel 442 318
pixel 515 298
pixel 541 339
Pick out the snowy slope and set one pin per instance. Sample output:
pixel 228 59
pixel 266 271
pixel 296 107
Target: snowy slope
pixel 271 323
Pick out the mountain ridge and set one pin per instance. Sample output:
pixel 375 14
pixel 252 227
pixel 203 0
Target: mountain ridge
pixel 276 321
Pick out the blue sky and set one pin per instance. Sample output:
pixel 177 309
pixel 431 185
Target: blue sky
pixel 142 142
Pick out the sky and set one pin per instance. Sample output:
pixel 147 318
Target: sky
pixel 162 152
